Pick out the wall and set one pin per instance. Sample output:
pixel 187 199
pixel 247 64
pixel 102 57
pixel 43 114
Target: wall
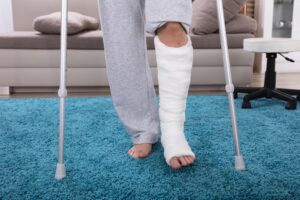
pixel 6 19
pixel 296 20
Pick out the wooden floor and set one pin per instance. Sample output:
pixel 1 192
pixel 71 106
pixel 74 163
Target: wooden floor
pixel 283 81
pixel 291 81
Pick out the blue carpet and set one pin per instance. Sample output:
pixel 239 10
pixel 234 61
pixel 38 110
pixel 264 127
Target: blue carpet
pixel 98 166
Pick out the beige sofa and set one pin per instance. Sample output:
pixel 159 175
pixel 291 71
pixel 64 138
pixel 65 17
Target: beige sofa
pixel 30 59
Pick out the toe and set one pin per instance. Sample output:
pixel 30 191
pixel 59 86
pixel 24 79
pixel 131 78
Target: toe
pixel 188 159
pixel 191 159
pixel 135 155
pixel 140 151
pixel 130 151
pixel 175 164
pixel 183 161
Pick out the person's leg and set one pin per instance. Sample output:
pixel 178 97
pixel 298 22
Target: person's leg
pixel 128 72
pixel 174 52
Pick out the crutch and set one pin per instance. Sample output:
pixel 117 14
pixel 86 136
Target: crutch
pixel 62 92
pixel 239 161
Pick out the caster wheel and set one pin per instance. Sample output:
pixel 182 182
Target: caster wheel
pixel 246 104
pixel 298 98
pixel 291 106
pixel 235 95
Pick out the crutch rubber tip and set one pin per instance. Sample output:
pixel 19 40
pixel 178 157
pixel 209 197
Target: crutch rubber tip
pixel 60 171
pixel 239 163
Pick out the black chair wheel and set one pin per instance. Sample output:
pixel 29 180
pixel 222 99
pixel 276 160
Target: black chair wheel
pixel 298 98
pixel 291 106
pixel 246 104
pixel 235 95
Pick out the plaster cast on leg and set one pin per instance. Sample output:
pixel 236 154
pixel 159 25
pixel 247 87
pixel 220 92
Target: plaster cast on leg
pixel 174 74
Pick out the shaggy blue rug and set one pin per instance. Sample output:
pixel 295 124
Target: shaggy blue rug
pixel 98 167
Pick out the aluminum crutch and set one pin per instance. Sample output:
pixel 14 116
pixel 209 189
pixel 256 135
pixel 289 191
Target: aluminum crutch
pixel 239 161
pixel 62 92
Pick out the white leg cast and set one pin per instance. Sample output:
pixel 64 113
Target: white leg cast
pixel 239 161
pixel 174 74
pixel 62 93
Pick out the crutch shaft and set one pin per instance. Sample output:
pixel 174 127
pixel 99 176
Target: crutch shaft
pixel 234 126
pixel 61 132
pixel 63 49
pixel 239 162
pixel 224 45
pixel 62 92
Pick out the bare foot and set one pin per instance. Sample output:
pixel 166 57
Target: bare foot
pixel 178 162
pixel 140 150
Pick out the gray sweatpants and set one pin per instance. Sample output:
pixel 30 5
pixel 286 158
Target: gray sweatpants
pixel 124 23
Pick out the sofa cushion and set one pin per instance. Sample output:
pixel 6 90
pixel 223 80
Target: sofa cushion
pixel 212 41
pixel 241 24
pixel 92 40
pixel 51 24
pixel 205 20
pixel 36 40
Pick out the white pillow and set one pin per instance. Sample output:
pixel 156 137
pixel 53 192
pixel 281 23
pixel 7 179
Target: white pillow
pixel 241 24
pixel 205 19
pixel 51 24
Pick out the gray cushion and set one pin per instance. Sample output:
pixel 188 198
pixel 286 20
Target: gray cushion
pixel 51 24
pixel 93 40
pixel 241 24
pixel 205 18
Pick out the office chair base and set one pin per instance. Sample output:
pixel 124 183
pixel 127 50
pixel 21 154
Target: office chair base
pixel 60 171
pixel 246 104
pixel 239 163
pixel 291 106
pixel 269 94
pixel 269 89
